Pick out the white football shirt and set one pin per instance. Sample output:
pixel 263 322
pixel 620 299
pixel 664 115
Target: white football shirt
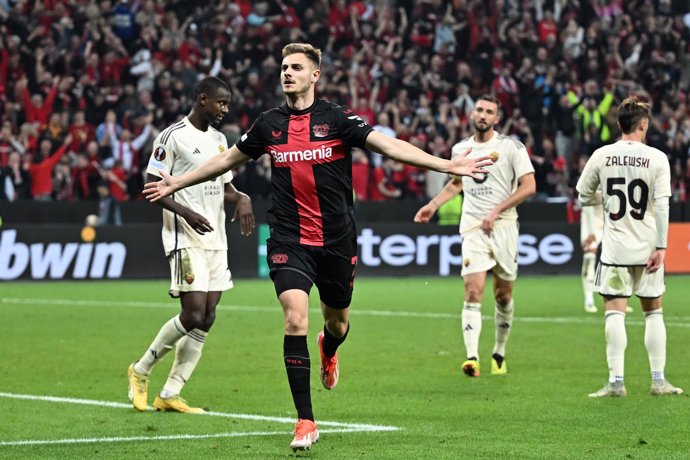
pixel 178 149
pixel 511 162
pixel 630 175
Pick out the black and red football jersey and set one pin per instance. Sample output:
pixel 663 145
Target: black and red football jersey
pixel 311 174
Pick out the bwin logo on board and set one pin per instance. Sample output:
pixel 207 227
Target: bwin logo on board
pixel 54 260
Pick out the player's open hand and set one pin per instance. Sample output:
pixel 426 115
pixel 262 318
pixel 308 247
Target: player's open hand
pixel 425 214
pixel 463 165
pixel 244 211
pixel 154 191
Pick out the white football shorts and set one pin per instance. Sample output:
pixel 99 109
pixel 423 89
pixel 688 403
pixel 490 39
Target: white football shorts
pixel 481 252
pixel 195 269
pixel 624 281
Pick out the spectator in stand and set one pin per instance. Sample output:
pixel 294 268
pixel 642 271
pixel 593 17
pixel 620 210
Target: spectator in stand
pixel 81 131
pixel 104 55
pixel 383 126
pixel 360 174
pixel 36 109
pixel 85 178
pixel 126 150
pixel 19 178
pixel 109 211
pixel 104 128
pixel 41 169
pixel 8 143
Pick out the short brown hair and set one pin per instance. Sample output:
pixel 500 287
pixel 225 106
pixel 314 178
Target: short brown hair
pixel 314 54
pixel 490 98
pixel 631 112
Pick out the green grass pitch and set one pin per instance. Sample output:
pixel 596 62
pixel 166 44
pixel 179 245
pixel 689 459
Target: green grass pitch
pixel 65 348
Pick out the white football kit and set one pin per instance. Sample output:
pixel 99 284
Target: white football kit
pixel 482 252
pixel 198 262
pixel 631 176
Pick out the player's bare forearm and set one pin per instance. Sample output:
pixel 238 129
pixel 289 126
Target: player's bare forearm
pixel 404 152
pixel 211 168
pixel 426 212
pixel 407 153
pixel 527 187
pixel 452 188
pixel 195 220
pixel 167 202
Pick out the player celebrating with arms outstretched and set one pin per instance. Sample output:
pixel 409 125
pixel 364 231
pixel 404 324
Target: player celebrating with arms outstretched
pixel 313 237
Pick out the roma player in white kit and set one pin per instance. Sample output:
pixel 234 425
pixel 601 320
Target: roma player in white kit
pixel 489 228
pixel 635 184
pixel 195 243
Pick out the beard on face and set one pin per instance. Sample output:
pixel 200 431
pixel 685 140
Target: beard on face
pixel 480 128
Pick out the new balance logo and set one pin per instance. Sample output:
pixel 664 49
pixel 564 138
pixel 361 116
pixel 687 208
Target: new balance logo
pixel 196 151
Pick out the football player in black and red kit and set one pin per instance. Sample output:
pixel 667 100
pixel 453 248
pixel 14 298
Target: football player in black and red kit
pixel 312 229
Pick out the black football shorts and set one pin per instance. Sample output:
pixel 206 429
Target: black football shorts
pixel 331 268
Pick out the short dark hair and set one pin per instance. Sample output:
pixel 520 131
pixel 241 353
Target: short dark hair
pixel 631 112
pixel 314 54
pixel 490 98
pixel 211 86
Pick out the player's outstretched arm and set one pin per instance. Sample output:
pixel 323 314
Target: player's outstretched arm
pixel 407 153
pixel 213 167
pixel 426 212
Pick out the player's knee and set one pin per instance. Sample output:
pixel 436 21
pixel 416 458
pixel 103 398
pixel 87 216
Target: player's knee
pixel 296 322
pixel 208 321
pixel 192 319
pixel 503 297
pixel 473 294
pixel 337 326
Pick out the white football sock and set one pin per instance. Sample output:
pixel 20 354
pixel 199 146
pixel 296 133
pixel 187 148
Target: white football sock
pixel 472 327
pixel 616 342
pixel 503 322
pixel 655 342
pixel 588 262
pixel 166 339
pixel 187 356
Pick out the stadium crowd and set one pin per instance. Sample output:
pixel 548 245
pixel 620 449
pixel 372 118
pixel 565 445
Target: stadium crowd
pixel 86 85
